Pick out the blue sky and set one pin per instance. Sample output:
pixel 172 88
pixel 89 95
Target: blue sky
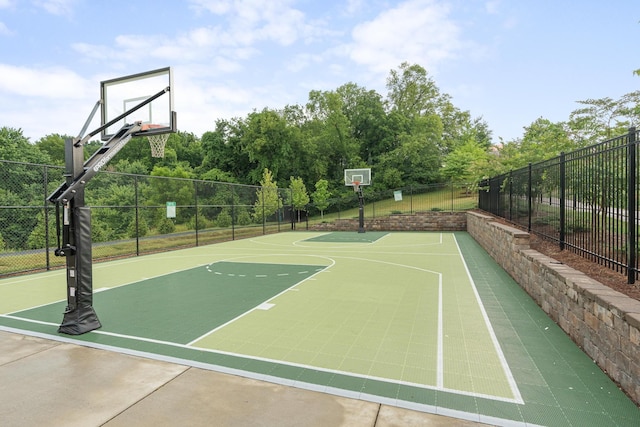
pixel 509 61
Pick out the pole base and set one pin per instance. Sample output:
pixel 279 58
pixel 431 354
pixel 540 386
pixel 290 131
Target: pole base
pixel 79 321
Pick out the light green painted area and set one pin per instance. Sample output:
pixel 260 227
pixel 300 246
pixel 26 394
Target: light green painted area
pixel 359 319
pixel 374 311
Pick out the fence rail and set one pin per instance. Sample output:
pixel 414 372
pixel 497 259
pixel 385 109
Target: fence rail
pixel 585 201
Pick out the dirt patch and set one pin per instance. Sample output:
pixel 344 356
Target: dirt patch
pixel 608 277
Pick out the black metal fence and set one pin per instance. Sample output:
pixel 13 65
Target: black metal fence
pixel 585 200
pixel 130 214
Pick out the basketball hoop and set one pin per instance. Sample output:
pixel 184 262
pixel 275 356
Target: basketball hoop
pixel 356 186
pixel 157 143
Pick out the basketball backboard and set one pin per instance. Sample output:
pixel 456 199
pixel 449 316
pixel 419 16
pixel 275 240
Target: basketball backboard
pixel 359 176
pixel 123 94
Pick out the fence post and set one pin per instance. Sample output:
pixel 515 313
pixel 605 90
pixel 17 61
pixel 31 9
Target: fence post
pixel 452 196
pixel 233 212
pixel 562 200
pixel 195 200
pixel 530 197
pixel 511 195
pixel 46 218
pixel 293 210
pixel 137 219
pixel 264 223
pixel 411 199
pixel 631 207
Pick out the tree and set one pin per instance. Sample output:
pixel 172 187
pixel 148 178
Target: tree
pixel 467 164
pixel 411 91
pixel 458 127
pixel 188 148
pixel 268 200
pixel 334 146
pixel 321 196
pixel 370 126
pixel 23 184
pixel 271 143
pixel 417 157
pixel 160 191
pixel 299 195
pixel 224 151
pixel 37 237
pixel 53 146
pixel 542 140
pixel 16 147
pixel 599 119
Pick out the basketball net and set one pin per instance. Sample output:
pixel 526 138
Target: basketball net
pixel 356 186
pixel 157 143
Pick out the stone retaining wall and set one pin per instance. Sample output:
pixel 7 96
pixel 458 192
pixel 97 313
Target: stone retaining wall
pixel 603 322
pixel 423 221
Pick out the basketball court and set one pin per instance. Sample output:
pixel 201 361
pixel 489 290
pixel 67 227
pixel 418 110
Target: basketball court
pixel 425 321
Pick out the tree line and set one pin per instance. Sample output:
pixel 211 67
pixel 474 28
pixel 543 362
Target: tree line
pixel 414 135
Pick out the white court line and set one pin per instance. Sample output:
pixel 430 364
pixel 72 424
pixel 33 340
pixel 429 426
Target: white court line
pixel 503 361
pixel 440 344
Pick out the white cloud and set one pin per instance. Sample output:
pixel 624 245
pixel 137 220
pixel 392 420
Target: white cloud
pixel 250 21
pixel 56 82
pixel 4 30
pixel 416 31
pixel 492 6
pixel 5 4
pixel 57 7
pixel 45 100
pixel 353 6
pixel 244 24
pixel 218 7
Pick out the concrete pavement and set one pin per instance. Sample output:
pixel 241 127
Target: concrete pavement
pixel 52 383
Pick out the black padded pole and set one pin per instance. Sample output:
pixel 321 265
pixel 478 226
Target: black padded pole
pixel 79 316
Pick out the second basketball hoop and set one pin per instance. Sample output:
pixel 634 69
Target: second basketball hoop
pixel 357 178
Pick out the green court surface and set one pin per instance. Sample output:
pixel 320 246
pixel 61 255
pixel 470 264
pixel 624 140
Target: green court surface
pixel 426 321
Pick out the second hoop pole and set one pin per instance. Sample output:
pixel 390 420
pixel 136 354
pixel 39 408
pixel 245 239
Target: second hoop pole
pixel 358 190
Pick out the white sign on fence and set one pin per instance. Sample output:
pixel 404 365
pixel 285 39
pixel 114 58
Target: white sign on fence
pixel 397 195
pixel 171 209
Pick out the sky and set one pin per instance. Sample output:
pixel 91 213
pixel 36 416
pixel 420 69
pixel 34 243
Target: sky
pixel 509 62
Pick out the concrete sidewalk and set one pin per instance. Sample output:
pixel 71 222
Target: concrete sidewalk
pixel 46 382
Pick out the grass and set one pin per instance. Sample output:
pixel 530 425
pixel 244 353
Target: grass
pixel 30 261
pixel 439 200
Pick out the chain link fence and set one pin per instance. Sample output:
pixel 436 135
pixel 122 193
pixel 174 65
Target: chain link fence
pixel 130 214
pixel 447 197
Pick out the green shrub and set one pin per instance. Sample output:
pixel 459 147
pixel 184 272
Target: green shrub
pixel 244 218
pixel 166 226
pixel 223 219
